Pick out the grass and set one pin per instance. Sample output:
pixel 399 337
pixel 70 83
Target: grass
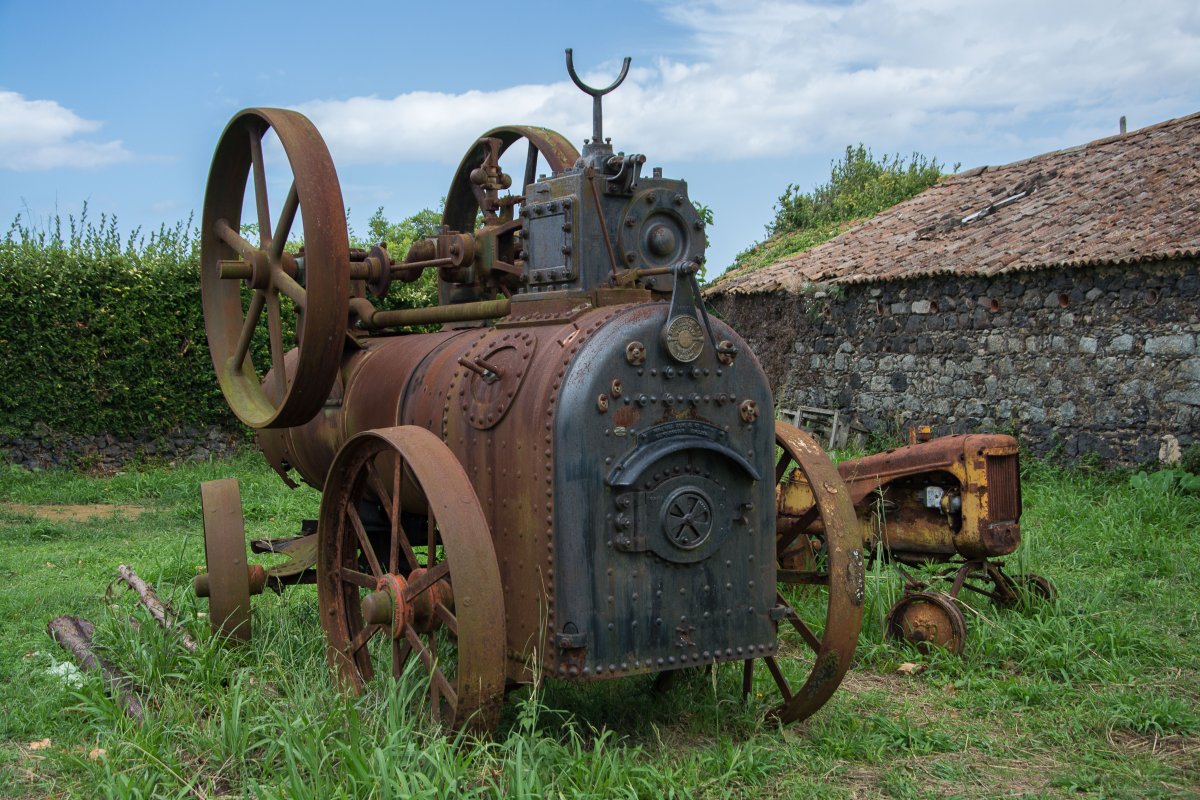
pixel 780 246
pixel 1095 696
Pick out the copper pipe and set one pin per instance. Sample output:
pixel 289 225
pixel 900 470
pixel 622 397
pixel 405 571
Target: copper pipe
pixel 404 317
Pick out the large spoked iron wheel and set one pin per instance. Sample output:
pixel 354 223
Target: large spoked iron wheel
pixel 819 549
pixel 543 146
pixel 243 276
pixel 406 569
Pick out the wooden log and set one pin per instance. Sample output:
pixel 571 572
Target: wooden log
pixel 156 607
pixel 74 634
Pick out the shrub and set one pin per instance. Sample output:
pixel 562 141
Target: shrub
pixel 105 334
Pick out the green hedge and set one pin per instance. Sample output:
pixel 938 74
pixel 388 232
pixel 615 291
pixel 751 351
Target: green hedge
pixel 101 335
pixel 105 334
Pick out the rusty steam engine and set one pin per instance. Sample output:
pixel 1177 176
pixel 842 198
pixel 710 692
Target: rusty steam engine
pixel 577 475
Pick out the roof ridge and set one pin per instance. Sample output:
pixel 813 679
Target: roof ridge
pixel 1115 200
pixel 1123 137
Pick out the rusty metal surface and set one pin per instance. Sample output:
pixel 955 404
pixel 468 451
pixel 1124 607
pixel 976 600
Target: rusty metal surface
pixel 584 486
pixel 432 593
pixel 462 204
pixel 829 532
pixel 315 193
pixel 228 585
pixel 980 470
pixel 927 620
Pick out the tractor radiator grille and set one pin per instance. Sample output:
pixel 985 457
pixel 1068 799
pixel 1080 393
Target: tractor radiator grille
pixel 1004 488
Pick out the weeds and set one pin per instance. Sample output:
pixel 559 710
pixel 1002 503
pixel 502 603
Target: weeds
pixel 1043 703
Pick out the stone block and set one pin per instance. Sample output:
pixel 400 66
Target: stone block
pixel 1175 344
pixel 1121 344
pixel 1189 397
pixel 1087 344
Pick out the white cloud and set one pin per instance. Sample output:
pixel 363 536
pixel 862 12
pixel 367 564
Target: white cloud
pixel 41 134
pixel 769 77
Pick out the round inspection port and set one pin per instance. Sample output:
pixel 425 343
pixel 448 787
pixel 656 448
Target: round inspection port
pixel 1064 300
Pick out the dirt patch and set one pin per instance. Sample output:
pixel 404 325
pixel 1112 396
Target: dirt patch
pixel 75 513
pixel 893 685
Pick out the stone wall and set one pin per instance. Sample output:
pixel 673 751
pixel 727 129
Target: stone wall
pixel 43 448
pixel 1101 360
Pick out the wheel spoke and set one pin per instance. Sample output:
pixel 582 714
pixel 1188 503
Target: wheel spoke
pixel 364 541
pixel 287 284
pixel 780 681
pixel 796 526
pixel 401 650
pixel 275 328
pixel 362 637
pixel 286 218
pixel 398 543
pixel 805 632
pixel 414 641
pixel 260 187
pixel 399 537
pixel 358 578
pixel 447 617
pixel 248 326
pixel 427 579
pixel 234 239
pixel 531 158
pixel 781 466
pixel 441 685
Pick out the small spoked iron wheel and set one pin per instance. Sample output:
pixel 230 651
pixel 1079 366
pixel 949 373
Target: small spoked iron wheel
pixel 244 275
pixel 819 549
pixel 1012 590
pixel 927 620
pixel 406 569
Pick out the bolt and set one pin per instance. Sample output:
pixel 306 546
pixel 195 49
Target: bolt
pixel 615 389
pixel 602 403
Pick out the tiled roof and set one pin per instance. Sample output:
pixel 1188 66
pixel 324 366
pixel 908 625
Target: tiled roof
pixel 1125 199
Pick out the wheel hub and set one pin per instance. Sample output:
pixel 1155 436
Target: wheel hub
pixel 391 605
pixel 388 606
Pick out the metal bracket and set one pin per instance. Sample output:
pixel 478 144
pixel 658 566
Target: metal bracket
pixel 597 112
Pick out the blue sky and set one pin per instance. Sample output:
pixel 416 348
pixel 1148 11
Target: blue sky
pixel 121 104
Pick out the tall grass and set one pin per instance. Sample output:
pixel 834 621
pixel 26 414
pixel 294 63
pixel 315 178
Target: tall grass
pixel 1076 698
